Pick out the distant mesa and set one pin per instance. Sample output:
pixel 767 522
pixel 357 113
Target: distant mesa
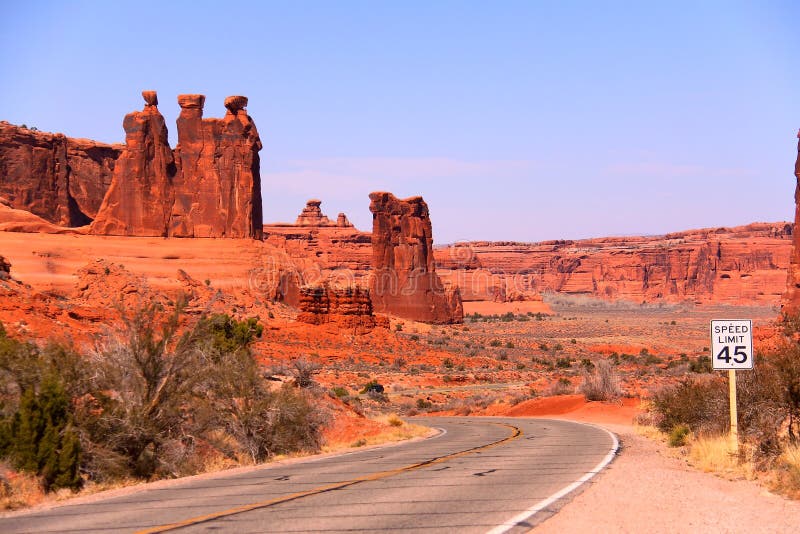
pixel 312 216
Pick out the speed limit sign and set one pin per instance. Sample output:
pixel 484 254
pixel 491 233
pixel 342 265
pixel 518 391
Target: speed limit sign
pixel 731 344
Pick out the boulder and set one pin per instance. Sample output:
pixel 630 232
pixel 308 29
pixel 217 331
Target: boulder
pixel 404 280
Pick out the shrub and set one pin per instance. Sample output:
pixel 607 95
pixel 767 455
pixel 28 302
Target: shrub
pixel 561 387
pixel 303 371
pixel 602 384
pixel 423 404
pixel 678 435
pixel 700 404
pixel 701 365
pixel 40 437
pixel 563 363
pixel 495 343
pixel 339 391
pixel 448 363
pixel 509 345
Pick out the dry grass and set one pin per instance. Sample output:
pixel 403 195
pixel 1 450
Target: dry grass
pixel 716 454
pixel 19 490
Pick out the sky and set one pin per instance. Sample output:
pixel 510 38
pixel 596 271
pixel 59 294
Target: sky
pixel 522 121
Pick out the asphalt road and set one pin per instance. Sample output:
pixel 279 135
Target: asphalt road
pixel 479 475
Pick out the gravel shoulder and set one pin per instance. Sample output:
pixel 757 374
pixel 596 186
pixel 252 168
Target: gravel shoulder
pixel 645 490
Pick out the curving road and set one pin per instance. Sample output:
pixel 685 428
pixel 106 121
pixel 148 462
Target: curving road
pixel 479 475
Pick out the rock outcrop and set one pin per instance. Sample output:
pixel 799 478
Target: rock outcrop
pixel 348 307
pixel 792 297
pixel 58 178
pixel 404 280
pixel 139 201
pixel 210 186
pixel 312 216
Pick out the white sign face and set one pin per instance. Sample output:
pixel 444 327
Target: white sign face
pixel 731 344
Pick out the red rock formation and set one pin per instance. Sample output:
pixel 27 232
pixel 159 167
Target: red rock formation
pixel 58 178
pixel 404 280
pixel 792 297
pixel 743 265
pixel 342 221
pixel 140 198
pixel 312 216
pixel 348 307
pixel 210 187
pixel 218 187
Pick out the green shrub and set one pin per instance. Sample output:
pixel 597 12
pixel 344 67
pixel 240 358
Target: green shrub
pixel 41 439
pixel 339 391
pixel 678 435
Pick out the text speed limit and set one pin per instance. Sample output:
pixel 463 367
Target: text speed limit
pixel 731 344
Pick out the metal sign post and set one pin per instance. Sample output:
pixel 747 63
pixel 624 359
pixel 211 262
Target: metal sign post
pixel 732 349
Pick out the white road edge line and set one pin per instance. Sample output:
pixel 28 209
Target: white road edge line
pixel 541 505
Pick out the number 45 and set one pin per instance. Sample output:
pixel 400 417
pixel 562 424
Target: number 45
pixel 739 354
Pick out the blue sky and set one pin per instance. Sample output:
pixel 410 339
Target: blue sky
pixel 515 120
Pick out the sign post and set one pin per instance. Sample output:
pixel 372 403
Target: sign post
pixel 732 349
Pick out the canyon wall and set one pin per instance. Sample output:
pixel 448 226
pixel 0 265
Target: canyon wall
pixel 742 265
pixel 60 179
pixel 403 278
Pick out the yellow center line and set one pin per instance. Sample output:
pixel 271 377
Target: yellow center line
pixel 322 489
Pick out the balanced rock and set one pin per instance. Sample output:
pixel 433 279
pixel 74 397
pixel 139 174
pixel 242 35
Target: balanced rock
pixel 58 178
pixel 404 280
pixel 312 216
pixel 140 198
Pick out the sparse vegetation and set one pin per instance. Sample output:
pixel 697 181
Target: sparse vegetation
pixel 602 384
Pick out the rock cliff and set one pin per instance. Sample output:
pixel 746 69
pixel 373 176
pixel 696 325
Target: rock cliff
pixel 58 178
pixel 742 265
pixel 403 279
pixel 792 297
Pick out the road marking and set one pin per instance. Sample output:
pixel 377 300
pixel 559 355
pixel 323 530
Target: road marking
pixel 544 503
pixel 337 485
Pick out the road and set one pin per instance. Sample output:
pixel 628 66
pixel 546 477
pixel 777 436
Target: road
pixel 478 475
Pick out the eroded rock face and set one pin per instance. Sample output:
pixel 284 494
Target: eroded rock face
pixel 210 186
pixel 218 185
pixel 58 178
pixel 742 265
pixel 348 307
pixel 792 298
pixel 141 195
pixel 404 280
